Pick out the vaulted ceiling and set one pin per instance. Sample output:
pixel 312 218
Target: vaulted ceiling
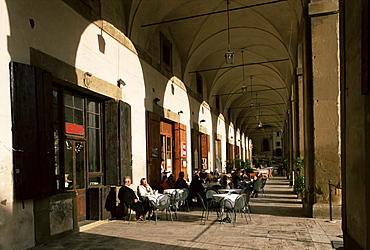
pixel 263 34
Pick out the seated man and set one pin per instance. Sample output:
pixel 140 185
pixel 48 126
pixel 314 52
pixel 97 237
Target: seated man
pixel 144 189
pixel 129 198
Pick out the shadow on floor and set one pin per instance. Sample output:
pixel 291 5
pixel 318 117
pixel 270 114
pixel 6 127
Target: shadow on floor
pixel 86 240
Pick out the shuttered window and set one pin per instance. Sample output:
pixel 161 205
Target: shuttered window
pixel 33 129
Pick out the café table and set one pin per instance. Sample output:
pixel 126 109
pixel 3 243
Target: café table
pixel 170 190
pixel 221 198
pixel 229 190
pixel 153 197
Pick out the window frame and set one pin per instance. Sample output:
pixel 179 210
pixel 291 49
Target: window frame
pixel 59 121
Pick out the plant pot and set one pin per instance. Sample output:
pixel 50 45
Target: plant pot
pixel 300 196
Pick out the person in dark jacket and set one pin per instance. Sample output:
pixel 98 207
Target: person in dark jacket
pixel 110 203
pixel 129 198
pixel 181 183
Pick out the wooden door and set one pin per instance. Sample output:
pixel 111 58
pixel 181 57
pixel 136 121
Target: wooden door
pixel 153 140
pixel 205 150
pixel 180 150
pixel 75 173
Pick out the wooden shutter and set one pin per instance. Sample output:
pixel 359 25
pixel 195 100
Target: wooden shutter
pixel 153 149
pixel 205 145
pixel 118 142
pixel 125 140
pixel 32 128
pixel 195 148
pixel 111 144
pixel 180 141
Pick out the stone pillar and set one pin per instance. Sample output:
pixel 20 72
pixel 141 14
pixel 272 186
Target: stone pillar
pixel 325 164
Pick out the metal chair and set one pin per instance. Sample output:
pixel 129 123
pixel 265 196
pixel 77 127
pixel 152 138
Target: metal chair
pixel 130 208
pixel 235 207
pixel 259 187
pixel 211 203
pixel 247 207
pixel 205 209
pixel 162 203
pixel 183 198
pixel 179 198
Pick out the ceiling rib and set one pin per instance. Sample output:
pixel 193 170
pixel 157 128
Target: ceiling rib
pixel 251 116
pixel 263 105
pixel 211 13
pixel 262 90
pixel 240 65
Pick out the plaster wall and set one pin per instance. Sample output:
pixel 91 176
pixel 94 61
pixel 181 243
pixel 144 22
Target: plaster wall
pixel 13 219
pixel 221 130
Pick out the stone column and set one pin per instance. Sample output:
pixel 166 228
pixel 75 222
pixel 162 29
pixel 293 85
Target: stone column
pixel 325 162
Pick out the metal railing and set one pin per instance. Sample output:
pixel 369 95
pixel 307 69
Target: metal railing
pixel 330 198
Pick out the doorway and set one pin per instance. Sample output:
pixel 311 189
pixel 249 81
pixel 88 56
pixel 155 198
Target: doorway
pixel 75 175
pixel 166 152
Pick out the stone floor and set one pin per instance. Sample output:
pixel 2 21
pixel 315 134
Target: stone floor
pixel 277 223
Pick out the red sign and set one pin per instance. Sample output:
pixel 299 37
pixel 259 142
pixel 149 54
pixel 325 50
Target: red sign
pixel 74 129
pixel 183 149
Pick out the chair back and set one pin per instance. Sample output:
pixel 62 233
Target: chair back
pixel 210 193
pixel 162 202
pixel 239 202
pixel 202 201
pixel 227 203
pixel 257 185
pixel 183 194
pixel 263 183
pixel 247 196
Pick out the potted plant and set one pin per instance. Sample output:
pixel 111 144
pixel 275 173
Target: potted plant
pixel 299 188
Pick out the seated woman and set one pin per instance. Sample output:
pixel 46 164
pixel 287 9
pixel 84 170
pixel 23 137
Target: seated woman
pixel 225 182
pixel 214 184
pixel 171 181
pixel 164 185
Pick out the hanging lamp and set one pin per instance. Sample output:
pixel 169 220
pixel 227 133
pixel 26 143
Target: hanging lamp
pixel 244 87
pixel 229 56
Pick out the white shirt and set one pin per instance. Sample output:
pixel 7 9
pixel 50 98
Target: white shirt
pixel 144 190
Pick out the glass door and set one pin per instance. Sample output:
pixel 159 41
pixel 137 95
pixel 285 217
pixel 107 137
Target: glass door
pixel 166 153
pixel 74 159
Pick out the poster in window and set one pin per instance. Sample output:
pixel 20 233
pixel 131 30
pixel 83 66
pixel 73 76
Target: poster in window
pixel 154 152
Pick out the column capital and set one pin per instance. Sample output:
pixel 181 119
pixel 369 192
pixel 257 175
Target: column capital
pixel 323 7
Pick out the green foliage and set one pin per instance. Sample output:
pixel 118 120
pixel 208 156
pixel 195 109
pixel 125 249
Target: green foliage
pixel 285 163
pixel 269 164
pixel 299 162
pixel 237 165
pixel 257 163
pixel 229 166
pixel 300 184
